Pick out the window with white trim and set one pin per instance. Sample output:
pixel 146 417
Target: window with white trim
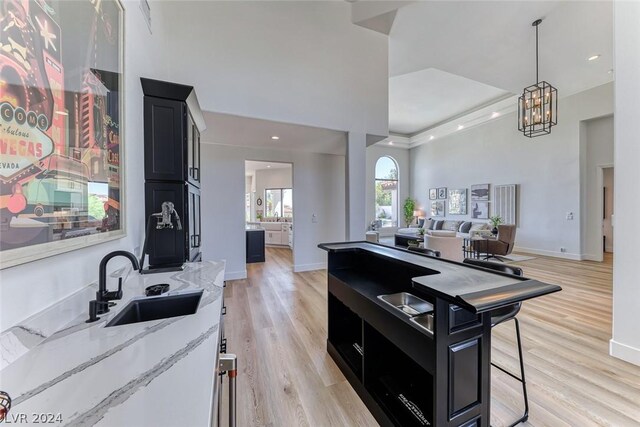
pixel 386 187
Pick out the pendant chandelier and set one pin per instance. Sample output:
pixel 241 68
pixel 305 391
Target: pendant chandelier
pixel 538 105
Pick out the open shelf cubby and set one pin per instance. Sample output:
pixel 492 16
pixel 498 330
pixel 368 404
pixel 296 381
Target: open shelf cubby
pixel 345 334
pixel 400 386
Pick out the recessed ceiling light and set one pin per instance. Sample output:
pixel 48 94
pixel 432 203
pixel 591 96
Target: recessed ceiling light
pixel 268 166
pixel 460 127
pixel 275 138
pixel 593 57
pixel 390 142
pixel 495 114
pixel 431 138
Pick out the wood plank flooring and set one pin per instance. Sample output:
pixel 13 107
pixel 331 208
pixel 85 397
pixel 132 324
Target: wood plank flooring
pixel 276 324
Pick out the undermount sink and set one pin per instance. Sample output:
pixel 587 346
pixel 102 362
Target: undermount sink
pixel 161 307
pixel 407 304
pixel 425 321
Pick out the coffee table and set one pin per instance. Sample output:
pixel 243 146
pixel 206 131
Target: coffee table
pixel 402 240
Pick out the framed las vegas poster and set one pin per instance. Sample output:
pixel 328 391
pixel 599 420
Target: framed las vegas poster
pixel 61 126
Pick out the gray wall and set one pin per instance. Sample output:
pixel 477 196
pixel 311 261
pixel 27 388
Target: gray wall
pixel 547 170
pixel 318 188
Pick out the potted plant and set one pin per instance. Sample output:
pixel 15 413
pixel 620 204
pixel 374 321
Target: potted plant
pixel 495 220
pixel 409 207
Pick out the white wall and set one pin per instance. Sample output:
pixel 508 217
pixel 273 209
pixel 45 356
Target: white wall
pixel 318 187
pixel 401 156
pixel 30 288
pixel 546 168
pixel 598 146
pixel 625 343
pixel 298 62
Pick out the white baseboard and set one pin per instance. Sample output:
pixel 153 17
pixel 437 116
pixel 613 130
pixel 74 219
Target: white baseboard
pixel 565 255
pixel 591 257
pixel 309 267
pixel 235 275
pixel 624 352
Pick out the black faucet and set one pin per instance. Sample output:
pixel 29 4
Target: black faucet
pixel 103 296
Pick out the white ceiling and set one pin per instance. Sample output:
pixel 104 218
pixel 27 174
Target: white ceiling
pixel 250 166
pixel 227 129
pixel 492 43
pixel 424 98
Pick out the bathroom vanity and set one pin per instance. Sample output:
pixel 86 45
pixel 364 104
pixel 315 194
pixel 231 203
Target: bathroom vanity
pixel 412 333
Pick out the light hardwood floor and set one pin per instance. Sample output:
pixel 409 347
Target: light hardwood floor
pixel 276 324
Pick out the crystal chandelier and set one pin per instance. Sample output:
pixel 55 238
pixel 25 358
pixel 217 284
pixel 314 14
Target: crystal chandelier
pixel 538 105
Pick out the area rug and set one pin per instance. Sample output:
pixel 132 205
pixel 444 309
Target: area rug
pixel 517 258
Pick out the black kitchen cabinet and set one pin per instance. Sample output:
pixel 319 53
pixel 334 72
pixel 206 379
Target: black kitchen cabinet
pixel 171 246
pixel 255 245
pixel 173 121
pixel 407 370
pixel 172 125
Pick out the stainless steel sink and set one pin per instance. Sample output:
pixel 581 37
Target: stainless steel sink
pixel 160 307
pixel 425 321
pixel 407 304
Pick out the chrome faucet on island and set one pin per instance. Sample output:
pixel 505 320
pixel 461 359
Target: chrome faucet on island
pixel 101 304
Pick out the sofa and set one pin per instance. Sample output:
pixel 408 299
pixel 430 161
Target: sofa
pixel 446 228
pixel 446 236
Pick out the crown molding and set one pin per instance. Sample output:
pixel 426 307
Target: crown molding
pixel 467 120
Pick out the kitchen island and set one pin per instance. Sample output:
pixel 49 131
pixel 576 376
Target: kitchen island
pixel 412 333
pixel 156 373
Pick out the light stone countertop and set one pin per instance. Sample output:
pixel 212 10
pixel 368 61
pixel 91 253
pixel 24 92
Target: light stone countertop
pixel 152 373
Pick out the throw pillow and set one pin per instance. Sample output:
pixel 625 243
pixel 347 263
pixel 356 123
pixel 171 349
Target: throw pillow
pixel 438 225
pixel 421 223
pixel 451 225
pixel 465 227
pixel 432 224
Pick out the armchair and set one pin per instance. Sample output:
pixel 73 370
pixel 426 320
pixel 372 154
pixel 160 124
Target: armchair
pixel 503 245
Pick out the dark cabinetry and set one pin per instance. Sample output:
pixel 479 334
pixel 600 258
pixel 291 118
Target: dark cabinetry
pixel 410 371
pixel 171 137
pixel 255 245
pixel 172 125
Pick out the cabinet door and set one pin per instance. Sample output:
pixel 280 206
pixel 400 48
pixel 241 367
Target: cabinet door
pixel 284 236
pixel 194 234
pixel 164 134
pixel 190 156
pixel 166 246
pixel 196 154
pixel 193 153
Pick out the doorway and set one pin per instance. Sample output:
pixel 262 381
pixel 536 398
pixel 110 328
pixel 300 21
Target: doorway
pixel 607 210
pixel 269 212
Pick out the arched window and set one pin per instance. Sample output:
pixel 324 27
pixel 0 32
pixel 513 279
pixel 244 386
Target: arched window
pixel 386 177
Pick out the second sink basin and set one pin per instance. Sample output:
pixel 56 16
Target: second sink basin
pixel 425 321
pixel 407 304
pixel 154 308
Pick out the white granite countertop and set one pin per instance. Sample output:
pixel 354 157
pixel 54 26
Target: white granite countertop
pixel 156 373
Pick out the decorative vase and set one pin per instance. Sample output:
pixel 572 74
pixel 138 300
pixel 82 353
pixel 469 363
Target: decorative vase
pixel 494 231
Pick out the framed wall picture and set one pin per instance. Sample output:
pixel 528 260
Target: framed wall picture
pixel 480 192
pixel 479 210
pixel 442 193
pixel 61 121
pixel 433 193
pixel 458 201
pixel 437 208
